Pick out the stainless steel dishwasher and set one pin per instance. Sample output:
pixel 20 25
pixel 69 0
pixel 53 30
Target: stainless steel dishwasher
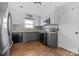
pixel 43 37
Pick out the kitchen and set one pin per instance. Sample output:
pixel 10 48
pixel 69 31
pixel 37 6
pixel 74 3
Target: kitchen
pixel 40 28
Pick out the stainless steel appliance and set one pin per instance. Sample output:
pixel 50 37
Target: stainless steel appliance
pixel 43 37
pixel 5 34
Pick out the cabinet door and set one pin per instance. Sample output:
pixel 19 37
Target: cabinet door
pixel 17 37
pixel 20 35
pixel 48 40
pixel 26 37
pixel 30 36
pixel 41 36
pixel 52 39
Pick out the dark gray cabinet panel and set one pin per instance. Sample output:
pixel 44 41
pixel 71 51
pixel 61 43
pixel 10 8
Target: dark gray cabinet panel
pixel 52 39
pixel 30 36
pixel 43 38
pixel 17 37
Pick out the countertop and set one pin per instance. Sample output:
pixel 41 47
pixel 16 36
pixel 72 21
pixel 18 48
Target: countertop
pixel 22 31
pixel 52 32
pixel 46 32
pixel 18 31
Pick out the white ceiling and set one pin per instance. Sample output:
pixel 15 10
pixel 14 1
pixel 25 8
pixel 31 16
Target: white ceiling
pixel 29 7
pixel 45 10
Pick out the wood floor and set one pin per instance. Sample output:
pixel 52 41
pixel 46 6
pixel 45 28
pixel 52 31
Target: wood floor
pixel 38 49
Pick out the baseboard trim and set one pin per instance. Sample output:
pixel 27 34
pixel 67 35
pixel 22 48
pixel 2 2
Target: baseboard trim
pixel 69 50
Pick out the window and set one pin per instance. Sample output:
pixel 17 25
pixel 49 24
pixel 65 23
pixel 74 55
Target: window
pixel 28 23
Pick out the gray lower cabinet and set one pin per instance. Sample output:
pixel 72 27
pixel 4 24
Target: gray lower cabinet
pixel 52 40
pixel 17 37
pixel 30 36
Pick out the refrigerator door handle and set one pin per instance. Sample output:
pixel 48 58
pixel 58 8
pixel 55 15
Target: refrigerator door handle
pixel 9 24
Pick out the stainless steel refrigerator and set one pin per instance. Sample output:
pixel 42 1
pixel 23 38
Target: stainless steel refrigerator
pixel 5 32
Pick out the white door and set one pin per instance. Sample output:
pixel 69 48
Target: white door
pixel 67 37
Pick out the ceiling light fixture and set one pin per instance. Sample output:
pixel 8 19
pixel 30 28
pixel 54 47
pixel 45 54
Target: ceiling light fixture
pixel 21 6
pixel 37 4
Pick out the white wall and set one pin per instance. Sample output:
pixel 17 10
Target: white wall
pixel 67 20
pixel 17 17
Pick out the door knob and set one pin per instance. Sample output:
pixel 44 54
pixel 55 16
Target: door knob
pixel 76 32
